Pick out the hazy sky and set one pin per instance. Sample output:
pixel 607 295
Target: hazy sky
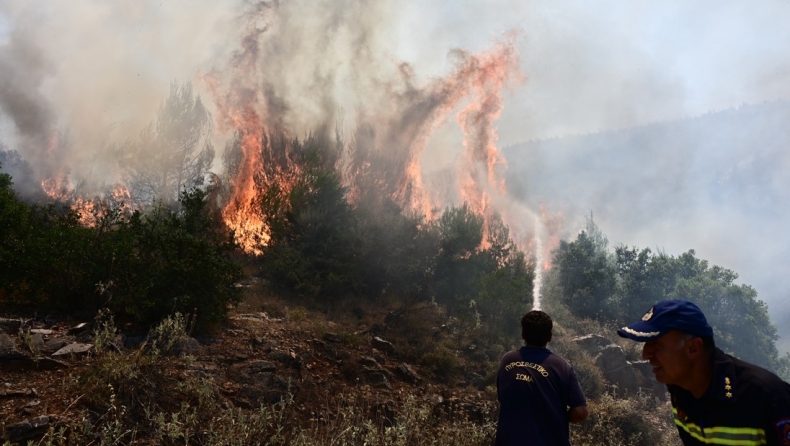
pixel 100 69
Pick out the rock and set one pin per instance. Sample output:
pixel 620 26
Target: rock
pixel 323 349
pixel 79 328
pixel 8 348
pixel 332 337
pixel 41 331
pixel 28 430
pixel 259 343
pixel 381 344
pixel 611 360
pixel 616 369
pixel 186 347
pixel 592 344
pixel 610 357
pixel 367 361
pixel 73 349
pixel 10 325
pixel 28 408
pixel 408 374
pixel 646 380
pixel 261 367
pixel 38 341
pixel 53 345
pixel 9 353
pixel 280 356
pixel 376 378
pixel 9 393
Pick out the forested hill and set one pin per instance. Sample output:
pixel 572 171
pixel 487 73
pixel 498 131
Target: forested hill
pixel 716 183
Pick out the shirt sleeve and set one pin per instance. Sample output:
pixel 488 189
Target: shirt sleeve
pixel 576 395
pixel 779 431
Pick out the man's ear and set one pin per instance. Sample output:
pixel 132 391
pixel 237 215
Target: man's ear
pixel 694 347
pixel 550 336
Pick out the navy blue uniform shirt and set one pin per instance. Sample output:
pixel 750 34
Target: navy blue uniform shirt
pixel 535 389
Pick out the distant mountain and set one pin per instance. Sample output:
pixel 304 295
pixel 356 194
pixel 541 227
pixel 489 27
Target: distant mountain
pixel 718 183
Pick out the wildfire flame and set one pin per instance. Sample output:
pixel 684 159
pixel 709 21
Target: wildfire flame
pixel 396 139
pixel 90 210
pixel 241 110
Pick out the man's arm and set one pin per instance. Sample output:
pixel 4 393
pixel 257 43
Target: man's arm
pixel 577 414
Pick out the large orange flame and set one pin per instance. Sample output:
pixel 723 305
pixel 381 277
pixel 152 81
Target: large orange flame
pixel 241 110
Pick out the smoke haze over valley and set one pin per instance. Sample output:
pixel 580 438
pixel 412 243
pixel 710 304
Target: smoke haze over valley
pixel 665 120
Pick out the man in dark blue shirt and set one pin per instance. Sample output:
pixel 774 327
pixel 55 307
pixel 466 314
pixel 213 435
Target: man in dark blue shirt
pixel 538 390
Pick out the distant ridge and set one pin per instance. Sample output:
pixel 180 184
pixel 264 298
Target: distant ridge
pixel 718 183
pixel 776 106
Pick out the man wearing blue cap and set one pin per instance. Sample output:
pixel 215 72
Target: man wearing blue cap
pixel 716 398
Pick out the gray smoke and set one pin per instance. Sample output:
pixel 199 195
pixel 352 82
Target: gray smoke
pixel 83 75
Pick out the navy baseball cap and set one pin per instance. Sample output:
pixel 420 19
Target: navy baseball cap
pixel 665 316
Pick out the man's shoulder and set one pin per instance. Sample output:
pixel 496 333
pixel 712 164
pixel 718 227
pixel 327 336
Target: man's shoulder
pixel 745 374
pixel 743 370
pixel 509 357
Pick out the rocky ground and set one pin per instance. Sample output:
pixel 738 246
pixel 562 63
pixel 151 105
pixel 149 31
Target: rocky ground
pixel 255 359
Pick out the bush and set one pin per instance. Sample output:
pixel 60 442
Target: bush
pixel 141 266
pixel 626 422
pixel 442 362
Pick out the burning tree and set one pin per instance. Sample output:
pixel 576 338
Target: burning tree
pixel 173 153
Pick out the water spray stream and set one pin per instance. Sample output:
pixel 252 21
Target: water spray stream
pixel 538 280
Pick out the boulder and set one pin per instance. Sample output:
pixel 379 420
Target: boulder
pixel 381 344
pixel 646 380
pixel 616 369
pixel 610 359
pixel 28 430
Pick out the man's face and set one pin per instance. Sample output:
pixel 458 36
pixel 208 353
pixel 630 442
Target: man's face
pixel 669 357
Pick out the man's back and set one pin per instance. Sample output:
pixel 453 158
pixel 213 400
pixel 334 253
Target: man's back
pixel 535 389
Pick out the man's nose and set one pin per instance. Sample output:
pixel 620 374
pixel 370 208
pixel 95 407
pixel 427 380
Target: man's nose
pixel 647 352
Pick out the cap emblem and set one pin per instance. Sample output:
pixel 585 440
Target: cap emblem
pixel 648 315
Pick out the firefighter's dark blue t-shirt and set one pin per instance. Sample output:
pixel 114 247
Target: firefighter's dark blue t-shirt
pixel 535 388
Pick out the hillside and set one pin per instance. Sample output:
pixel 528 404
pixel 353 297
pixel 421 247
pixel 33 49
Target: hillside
pixel 715 183
pixel 273 374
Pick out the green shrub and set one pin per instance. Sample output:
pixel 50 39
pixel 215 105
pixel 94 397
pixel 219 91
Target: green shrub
pixel 167 334
pixel 442 362
pixel 140 266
